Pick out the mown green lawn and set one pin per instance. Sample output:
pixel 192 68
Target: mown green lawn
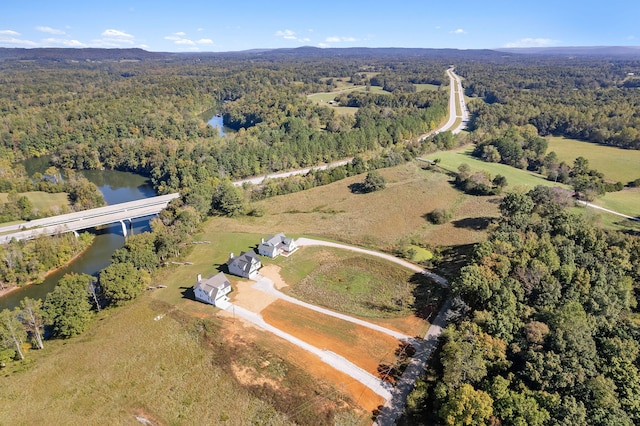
pixel 516 178
pixel 420 87
pixel 617 164
pixel 357 284
pixel 42 200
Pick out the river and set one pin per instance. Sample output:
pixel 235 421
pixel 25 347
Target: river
pixel 116 187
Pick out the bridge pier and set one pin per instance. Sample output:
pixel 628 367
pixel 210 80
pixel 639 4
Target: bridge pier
pixel 76 234
pixel 124 228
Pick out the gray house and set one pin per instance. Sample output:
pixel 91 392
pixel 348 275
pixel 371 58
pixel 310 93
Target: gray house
pixel 276 245
pixel 213 290
pixel 246 265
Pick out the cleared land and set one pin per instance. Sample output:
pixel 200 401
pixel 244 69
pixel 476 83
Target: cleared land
pixel 626 201
pixel 364 347
pixel 516 178
pixel 617 164
pixel 422 87
pixel 361 285
pixel 129 364
pixel 323 98
pixel 380 219
pixel 42 200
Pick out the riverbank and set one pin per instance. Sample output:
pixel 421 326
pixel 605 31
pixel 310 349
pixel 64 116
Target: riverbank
pixel 7 290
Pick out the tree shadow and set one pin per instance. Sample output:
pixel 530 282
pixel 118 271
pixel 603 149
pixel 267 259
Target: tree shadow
pixel 427 294
pixel 475 223
pixel 357 188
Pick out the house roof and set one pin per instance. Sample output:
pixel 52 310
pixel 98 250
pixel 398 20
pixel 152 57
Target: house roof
pixel 213 284
pixel 274 240
pixel 244 261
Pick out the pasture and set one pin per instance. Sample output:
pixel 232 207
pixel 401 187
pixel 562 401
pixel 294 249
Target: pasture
pixel 617 164
pixel 360 285
pixel 378 220
pixel 517 179
pixel 43 201
pixel 420 87
pixel 129 365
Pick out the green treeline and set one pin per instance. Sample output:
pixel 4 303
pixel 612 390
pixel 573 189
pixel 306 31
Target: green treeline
pixel 581 98
pixel 548 330
pixel 26 261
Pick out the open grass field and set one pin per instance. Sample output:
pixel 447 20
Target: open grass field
pixel 617 164
pixel 378 220
pixel 626 201
pixel 422 87
pixel 177 370
pixel 42 200
pixel 359 285
pixel 517 179
pixel 323 98
pixel 364 347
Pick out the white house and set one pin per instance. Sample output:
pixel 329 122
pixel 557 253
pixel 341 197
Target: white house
pixel 277 245
pixel 246 265
pixel 213 290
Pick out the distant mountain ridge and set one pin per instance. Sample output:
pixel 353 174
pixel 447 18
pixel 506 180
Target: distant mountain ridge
pixel 136 54
pixel 71 54
pixel 576 50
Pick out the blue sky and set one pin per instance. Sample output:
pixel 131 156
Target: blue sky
pixel 231 25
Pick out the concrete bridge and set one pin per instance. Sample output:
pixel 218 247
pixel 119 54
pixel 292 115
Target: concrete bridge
pixel 73 222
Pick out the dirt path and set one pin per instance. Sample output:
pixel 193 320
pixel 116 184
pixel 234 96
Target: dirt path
pixel 300 242
pixel 336 361
pixel 265 285
pixel 394 406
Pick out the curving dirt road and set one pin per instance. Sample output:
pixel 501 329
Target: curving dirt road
pixel 266 285
pixel 394 406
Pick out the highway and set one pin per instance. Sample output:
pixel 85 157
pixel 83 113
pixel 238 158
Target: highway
pixel 455 87
pixel 86 219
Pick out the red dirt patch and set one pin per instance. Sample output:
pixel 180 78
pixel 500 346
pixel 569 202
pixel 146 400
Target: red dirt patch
pixel 364 347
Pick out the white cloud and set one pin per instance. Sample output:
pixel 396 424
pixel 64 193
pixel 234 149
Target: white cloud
pixel 177 38
pixel 116 34
pixel 200 30
pixel 9 32
pixel 532 42
pixel 458 31
pixel 180 33
pixel 114 38
pixel 323 45
pixel 336 39
pixel 286 34
pixel 63 42
pixel 12 41
pixel 50 30
pixel 291 35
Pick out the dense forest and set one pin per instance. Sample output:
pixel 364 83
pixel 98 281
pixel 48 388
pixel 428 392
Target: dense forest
pixel 593 99
pixel 547 328
pixel 546 332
